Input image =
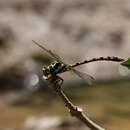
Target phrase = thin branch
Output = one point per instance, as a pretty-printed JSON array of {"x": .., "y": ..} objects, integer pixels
[{"x": 74, "y": 110}]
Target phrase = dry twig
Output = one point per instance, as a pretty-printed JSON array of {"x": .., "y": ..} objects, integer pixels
[{"x": 74, "y": 110}]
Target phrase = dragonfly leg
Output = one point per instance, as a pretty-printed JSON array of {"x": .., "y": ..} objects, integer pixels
[{"x": 58, "y": 81}]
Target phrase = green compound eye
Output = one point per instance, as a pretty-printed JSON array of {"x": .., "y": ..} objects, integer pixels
[{"x": 45, "y": 71}]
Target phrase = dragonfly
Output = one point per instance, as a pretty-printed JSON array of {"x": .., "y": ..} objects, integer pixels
[{"x": 58, "y": 66}]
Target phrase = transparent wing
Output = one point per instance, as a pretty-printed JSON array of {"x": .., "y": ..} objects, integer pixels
[
  {"x": 87, "y": 78},
  {"x": 49, "y": 51},
  {"x": 84, "y": 76}
]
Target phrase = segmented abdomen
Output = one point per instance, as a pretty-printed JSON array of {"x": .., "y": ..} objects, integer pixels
[{"x": 108, "y": 58}]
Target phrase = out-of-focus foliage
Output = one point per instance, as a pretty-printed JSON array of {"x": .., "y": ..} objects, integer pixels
[{"x": 126, "y": 63}]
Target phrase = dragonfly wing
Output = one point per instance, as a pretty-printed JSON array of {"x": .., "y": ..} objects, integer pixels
[
  {"x": 49, "y": 51},
  {"x": 87, "y": 78}
]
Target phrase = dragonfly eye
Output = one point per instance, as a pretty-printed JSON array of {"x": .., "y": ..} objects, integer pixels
[{"x": 45, "y": 71}]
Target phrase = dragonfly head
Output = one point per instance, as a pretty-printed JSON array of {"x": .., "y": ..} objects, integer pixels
[{"x": 46, "y": 72}]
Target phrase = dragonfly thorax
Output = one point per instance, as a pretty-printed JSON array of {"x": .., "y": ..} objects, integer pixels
[{"x": 53, "y": 69}]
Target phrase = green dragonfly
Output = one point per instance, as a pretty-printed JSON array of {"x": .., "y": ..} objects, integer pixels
[{"x": 58, "y": 66}]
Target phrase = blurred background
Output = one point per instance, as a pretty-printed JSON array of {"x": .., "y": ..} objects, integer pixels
[{"x": 75, "y": 30}]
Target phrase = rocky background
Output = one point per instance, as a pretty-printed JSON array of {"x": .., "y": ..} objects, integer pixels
[{"x": 74, "y": 29}]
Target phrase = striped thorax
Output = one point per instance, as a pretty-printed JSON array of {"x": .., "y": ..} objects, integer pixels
[{"x": 53, "y": 69}]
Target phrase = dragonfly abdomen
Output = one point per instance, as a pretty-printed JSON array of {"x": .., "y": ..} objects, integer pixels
[{"x": 108, "y": 58}]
